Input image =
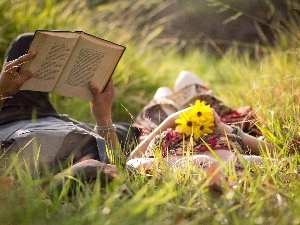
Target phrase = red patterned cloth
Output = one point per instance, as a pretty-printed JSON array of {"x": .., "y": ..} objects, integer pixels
[{"x": 172, "y": 143}]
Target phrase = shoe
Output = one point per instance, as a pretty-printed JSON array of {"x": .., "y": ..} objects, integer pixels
[
  {"x": 185, "y": 79},
  {"x": 141, "y": 164},
  {"x": 158, "y": 109},
  {"x": 162, "y": 92},
  {"x": 86, "y": 171}
]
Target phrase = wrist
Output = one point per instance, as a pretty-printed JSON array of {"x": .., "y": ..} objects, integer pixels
[
  {"x": 224, "y": 129},
  {"x": 237, "y": 131},
  {"x": 3, "y": 97},
  {"x": 107, "y": 128},
  {"x": 4, "y": 90},
  {"x": 104, "y": 121}
]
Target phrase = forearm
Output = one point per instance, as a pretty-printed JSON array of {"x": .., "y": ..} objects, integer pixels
[
  {"x": 112, "y": 139},
  {"x": 252, "y": 143},
  {"x": 2, "y": 99},
  {"x": 256, "y": 146},
  {"x": 140, "y": 150},
  {"x": 106, "y": 129},
  {"x": 101, "y": 110}
]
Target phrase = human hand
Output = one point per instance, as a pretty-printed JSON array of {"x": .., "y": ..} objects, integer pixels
[
  {"x": 217, "y": 119},
  {"x": 169, "y": 122},
  {"x": 10, "y": 79},
  {"x": 220, "y": 127},
  {"x": 101, "y": 104}
]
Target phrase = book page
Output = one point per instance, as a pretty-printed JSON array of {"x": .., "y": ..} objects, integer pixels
[
  {"x": 92, "y": 59},
  {"x": 53, "y": 53}
]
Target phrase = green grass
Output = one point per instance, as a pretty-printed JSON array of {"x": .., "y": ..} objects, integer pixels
[{"x": 270, "y": 83}]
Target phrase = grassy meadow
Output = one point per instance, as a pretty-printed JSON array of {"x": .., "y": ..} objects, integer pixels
[{"x": 264, "y": 76}]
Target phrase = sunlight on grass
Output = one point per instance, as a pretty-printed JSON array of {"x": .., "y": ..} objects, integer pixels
[{"x": 268, "y": 82}]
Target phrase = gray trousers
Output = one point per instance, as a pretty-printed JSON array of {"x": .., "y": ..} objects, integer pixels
[{"x": 49, "y": 141}]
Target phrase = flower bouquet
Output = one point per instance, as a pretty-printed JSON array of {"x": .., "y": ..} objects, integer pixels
[{"x": 197, "y": 121}]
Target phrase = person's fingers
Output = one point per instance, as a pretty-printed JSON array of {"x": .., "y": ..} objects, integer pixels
[
  {"x": 216, "y": 118},
  {"x": 6, "y": 64},
  {"x": 16, "y": 64},
  {"x": 93, "y": 89},
  {"x": 25, "y": 58},
  {"x": 110, "y": 85},
  {"x": 109, "y": 88},
  {"x": 27, "y": 75}
]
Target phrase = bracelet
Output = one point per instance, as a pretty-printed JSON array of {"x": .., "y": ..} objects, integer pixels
[
  {"x": 237, "y": 131},
  {"x": 105, "y": 128},
  {"x": 3, "y": 98}
]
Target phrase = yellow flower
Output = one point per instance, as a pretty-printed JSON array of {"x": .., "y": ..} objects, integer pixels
[
  {"x": 200, "y": 113},
  {"x": 185, "y": 125},
  {"x": 201, "y": 130},
  {"x": 196, "y": 121}
]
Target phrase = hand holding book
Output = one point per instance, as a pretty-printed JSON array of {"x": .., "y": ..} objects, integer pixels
[{"x": 67, "y": 61}]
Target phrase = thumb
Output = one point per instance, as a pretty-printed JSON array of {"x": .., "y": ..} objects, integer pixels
[
  {"x": 217, "y": 118},
  {"x": 93, "y": 88}
]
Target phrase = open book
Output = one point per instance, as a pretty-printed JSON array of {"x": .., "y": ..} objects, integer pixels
[{"x": 67, "y": 61}]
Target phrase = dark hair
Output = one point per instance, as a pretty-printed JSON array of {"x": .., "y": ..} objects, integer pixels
[{"x": 19, "y": 46}]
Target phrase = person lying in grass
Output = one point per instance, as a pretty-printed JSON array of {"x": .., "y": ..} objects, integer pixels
[
  {"x": 196, "y": 133},
  {"x": 33, "y": 129}
]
